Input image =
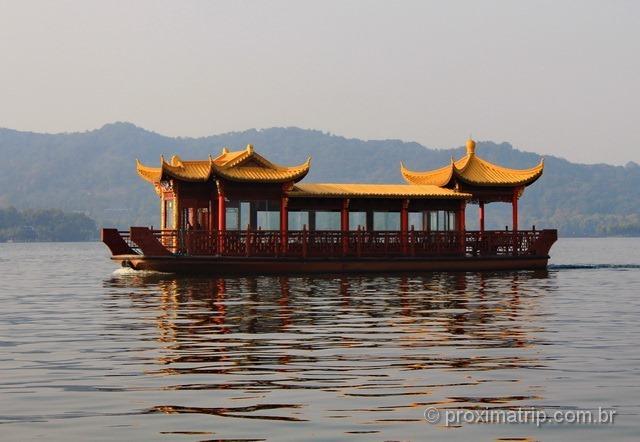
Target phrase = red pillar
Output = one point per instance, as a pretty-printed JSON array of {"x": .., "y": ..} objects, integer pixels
[
  {"x": 191, "y": 216},
  {"x": 163, "y": 213},
  {"x": 344, "y": 226},
  {"x": 212, "y": 207},
  {"x": 461, "y": 217},
  {"x": 514, "y": 206},
  {"x": 404, "y": 226},
  {"x": 222, "y": 219},
  {"x": 461, "y": 225},
  {"x": 284, "y": 222}
]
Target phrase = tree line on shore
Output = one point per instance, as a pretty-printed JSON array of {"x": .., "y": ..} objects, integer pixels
[
  {"x": 42, "y": 225},
  {"x": 45, "y": 225},
  {"x": 94, "y": 173}
]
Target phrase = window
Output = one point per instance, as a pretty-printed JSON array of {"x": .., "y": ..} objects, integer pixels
[
  {"x": 452, "y": 220},
  {"x": 327, "y": 220},
  {"x": 232, "y": 220},
  {"x": 169, "y": 217},
  {"x": 245, "y": 214},
  {"x": 415, "y": 220},
  {"x": 386, "y": 221},
  {"x": 297, "y": 220},
  {"x": 442, "y": 220},
  {"x": 268, "y": 215},
  {"x": 357, "y": 219}
]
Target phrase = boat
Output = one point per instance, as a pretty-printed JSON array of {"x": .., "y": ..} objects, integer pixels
[{"x": 240, "y": 214}]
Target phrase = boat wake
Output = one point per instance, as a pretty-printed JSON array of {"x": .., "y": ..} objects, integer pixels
[
  {"x": 593, "y": 266},
  {"x": 128, "y": 271}
]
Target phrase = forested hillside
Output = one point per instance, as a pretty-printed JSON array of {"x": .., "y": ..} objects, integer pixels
[
  {"x": 94, "y": 173},
  {"x": 45, "y": 225}
]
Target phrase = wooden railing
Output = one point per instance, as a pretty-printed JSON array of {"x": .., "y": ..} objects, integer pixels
[
  {"x": 124, "y": 234},
  {"x": 359, "y": 243}
]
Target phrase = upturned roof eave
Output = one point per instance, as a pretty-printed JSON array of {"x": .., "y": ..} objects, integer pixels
[
  {"x": 167, "y": 171},
  {"x": 425, "y": 178},
  {"x": 378, "y": 191}
]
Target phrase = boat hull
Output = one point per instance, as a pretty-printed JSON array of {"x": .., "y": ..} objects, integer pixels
[{"x": 223, "y": 266}]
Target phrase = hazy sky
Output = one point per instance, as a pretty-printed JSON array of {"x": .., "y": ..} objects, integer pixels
[{"x": 553, "y": 77}]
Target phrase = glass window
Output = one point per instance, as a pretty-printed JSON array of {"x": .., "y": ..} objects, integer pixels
[
  {"x": 452, "y": 220},
  {"x": 327, "y": 220},
  {"x": 415, "y": 220},
  {"x": 357, "y": 219},
  {"x": 267, "y": 214},
  {"x": 245, "y": 213},
  {"x": 297, "y": 220},
  {"x": 386, "y": 221},
  {"x": 433, "y": 220},
  {"x": 200, "y": 218},
  {"x": 442, "y": 220},
  {"x": 169, "y": 214},
  {"x": 268, "y": 220},
  {"x": 231, "y": 218}
]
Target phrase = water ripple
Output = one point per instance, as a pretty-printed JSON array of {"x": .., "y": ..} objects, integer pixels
[{"x": 95, "y": 354}]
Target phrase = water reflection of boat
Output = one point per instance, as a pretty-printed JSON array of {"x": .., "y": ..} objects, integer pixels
[
  {"x": 239, "y": 213},
  {"x": 193, "y": 316},
  {"x": 366, "y": 350}
]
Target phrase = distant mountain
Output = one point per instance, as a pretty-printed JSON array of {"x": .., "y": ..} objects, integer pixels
[
  {"x": 94, "y": 173},
  {"x": 45, "y": 225}
]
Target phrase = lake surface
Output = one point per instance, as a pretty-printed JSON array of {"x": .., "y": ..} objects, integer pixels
[{"x": 91, "y": 352}]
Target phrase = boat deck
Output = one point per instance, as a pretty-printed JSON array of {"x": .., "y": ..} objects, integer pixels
[{"x": 234, "y": 252}]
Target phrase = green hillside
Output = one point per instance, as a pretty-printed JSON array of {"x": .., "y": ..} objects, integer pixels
[
  {"x": 94, "y": 173},
  {"x": 45, "y": 225}
]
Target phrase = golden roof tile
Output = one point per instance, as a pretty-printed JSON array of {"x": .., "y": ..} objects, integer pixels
[
  {"x": 244, "y": 165},
  {"x": 264, "y": 174},
  {"x": 346, "y": 190},
  {"x": 151, "y": 174},
  {"x": 474, "y": 170}
]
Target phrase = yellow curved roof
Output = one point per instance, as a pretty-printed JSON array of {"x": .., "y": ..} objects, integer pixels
[
  {"x": 243, "y": 165},
  {"x": 346, "y": 190},
  {"x": 474, "y": 170},
  {"x": 151, "y": 174},
  {"x": 482, "y": 172},
  {"x": 187, "y": 170},
  {"x": 230, "y": 156},
  {"x": 263, "y": 174}
]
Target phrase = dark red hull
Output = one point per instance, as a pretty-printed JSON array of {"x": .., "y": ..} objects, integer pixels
[
  {"x": 264, "y": 252},
  {"x": 222, "y": 266}
]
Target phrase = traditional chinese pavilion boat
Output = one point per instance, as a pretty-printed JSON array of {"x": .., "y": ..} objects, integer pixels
[{"x": 239, "y": 213}]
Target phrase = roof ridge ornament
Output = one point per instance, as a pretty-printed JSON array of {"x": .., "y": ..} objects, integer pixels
[
  {"x": 224, "y": 167},
  {"x": 474, "y": 170},
  {"x": 471, "y": 146},
  {"x": 176, "y": 161},
  {"x": 250, "y": 148},
  {"x": 225, "y": 150}
]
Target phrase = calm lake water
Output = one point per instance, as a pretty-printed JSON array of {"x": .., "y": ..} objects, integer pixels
[{"x": 88, "y": 352}]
